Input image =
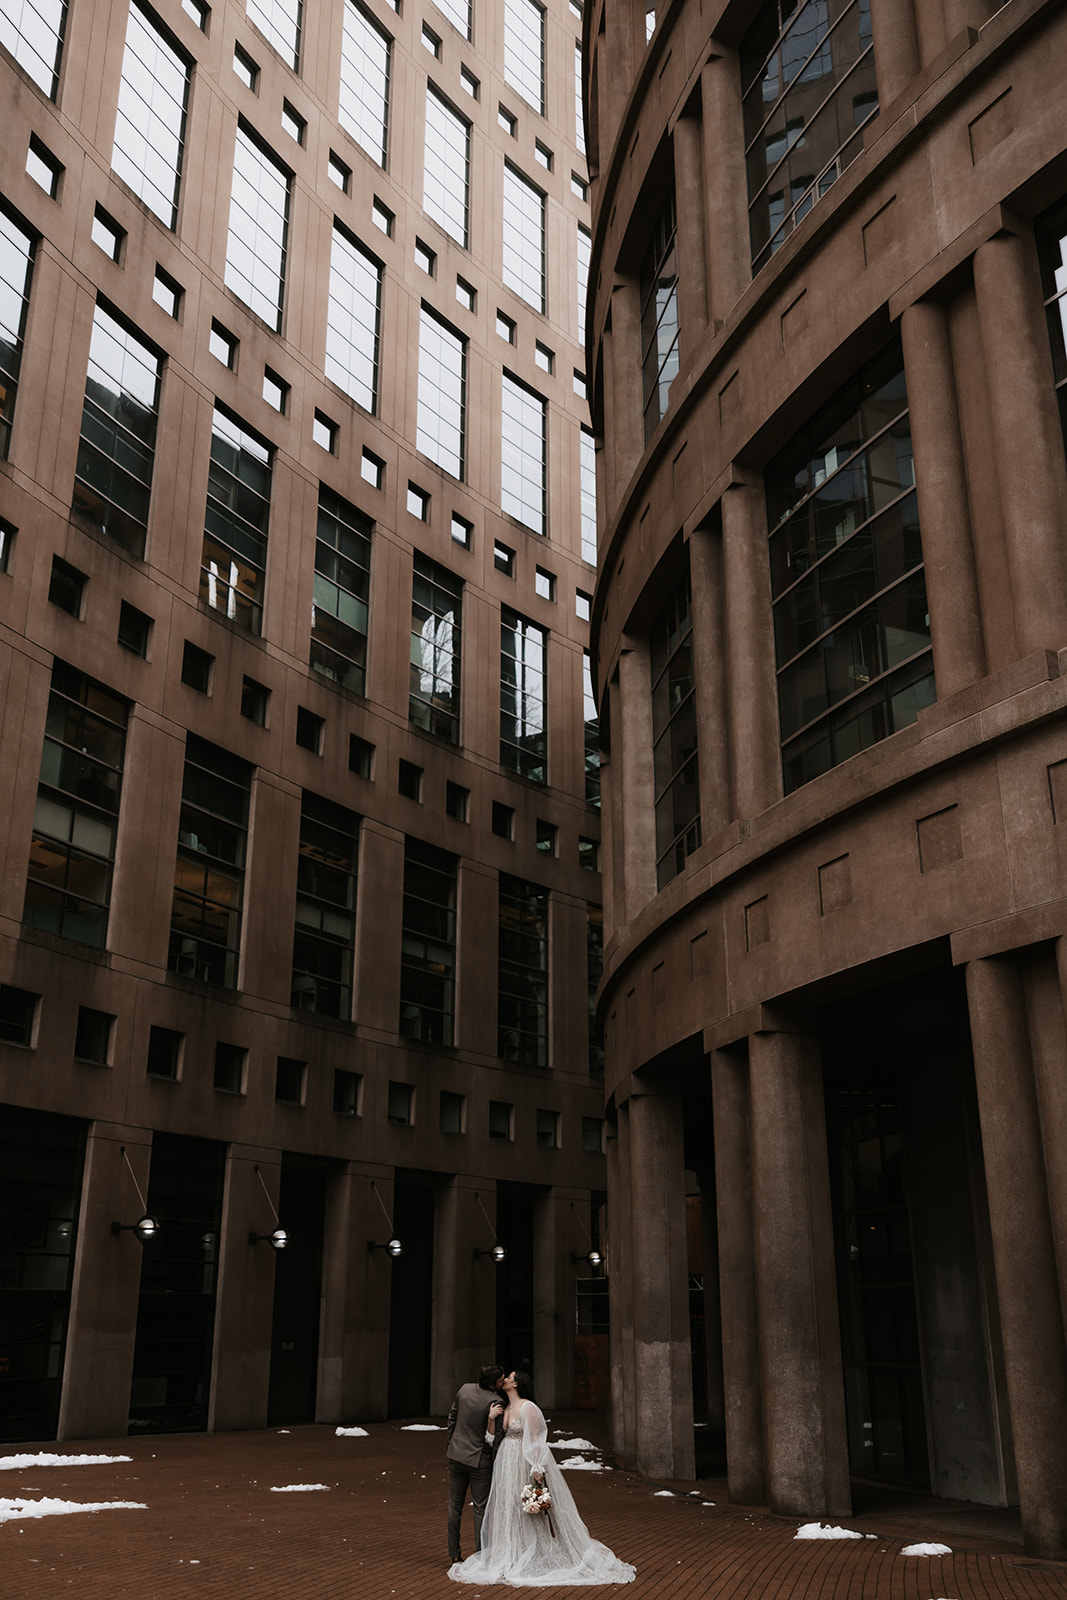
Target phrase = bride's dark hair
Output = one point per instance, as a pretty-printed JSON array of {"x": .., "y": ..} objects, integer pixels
[{"x": 523, "y": 1386}]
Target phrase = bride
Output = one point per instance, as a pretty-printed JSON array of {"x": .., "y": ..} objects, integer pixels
[{"x": 549, "y": 1547}]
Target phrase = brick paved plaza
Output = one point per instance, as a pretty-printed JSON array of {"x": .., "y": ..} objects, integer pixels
[{"x": 214, "y": 1528}]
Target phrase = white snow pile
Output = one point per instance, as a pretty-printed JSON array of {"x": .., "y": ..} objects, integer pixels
[
  {"x": 11, "y": 1509},
  {"x": 580, "y": 1464},
  {"x": 297, "y": 1488},
  {"x": 571, "y": 1444},
  {"x": 663, "y": 1493},
  {"x": 351, "y": 1433},
  {"x": 421, "y": 1427},
  {"x": 17, "y": 1463},
  {"x": 816, "y": 1530},
  {"x": 926, "y": 1550}
]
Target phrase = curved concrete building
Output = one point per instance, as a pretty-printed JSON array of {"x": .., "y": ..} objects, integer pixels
[{"x": 829, "y": 638}]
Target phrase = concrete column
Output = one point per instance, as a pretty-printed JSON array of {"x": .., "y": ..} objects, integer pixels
[
  {"x": 752, "y": 696},
  {"x": 1050, "y": 1051},
  {"x": 608, "y": 486},
  {"x": 244, "y": 1300},
  {"x": 713, "y": 749},
  {"x": 620, "y": 1288},
  {"x": 743, "y": 1419},
  {"x": 663, "y": 1371},
  {"x": 896, "y": 47},
  {"x": 627, "y": 411},
  {"x": 941, "y": 488},
  {"x": 615, "y": 71},
  {"x": 98, "y": 1365},
  {"x": 464, "y": 1329},
  {"x": 607, "y": 845},
  {"x": 354, "y": 1335},
  {"x": 799, "y": 1338},
  {"x": 556, "y": 1239},
  {"x": 689, "y": 242},
  {"x": 728, "y": 252},
  {"x": 1026, "y": 430},
  {"x": 1024, "y": 1253},
  {"x": 633, "y": 732}
]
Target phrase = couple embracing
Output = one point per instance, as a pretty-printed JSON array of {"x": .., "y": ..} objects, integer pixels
[{"x": 527, "y": 1530}]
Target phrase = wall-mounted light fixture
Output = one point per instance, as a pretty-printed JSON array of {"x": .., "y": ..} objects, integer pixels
[
  {"x": 498, "y": 1252},
  {"x": 279, "y": 1237},
  {"x": 394, "y": 1247},
  {"x": 592, "y": 1256},
  {"x": 147, "y": 1227}
]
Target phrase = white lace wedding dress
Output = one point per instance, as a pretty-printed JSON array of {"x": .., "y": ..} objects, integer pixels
[{"x": 520, "y": 1549}]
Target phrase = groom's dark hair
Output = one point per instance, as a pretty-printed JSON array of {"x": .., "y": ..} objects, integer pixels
[{"x": 489, "y": 1377}]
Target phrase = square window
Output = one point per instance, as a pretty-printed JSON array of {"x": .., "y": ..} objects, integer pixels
[
  {"x": 576, "y": 8},
  {"x": 588, "y": 854},
  {"x": 198, "y": 11},
  {"x": 418, "y": 502},
  {"x": 453, "y": 1113},
  {"x": 583, "y": 604},
  {"x": 66, "y": 587},
  {"x": 382, "y": 218},
  {"x": 134, "y": 629},
  {"x": 7, "y": 542},
  {"x": 92, "y": 1038},
  {"x": 544, "y": 357},
  {"x": 462, "y": 530},
  {"x": 254, "y": 698},
  {"x": 347, "y": 1093},
  {"x": 324, "y": 432},
  {"x": 245, "y": 68},
  {"x": 501, "y": 1120},
  {"x": 425, "y": 257},
  {"x": 545, "y": 583},
  {"x": 503, "y": 820},
  {"x": 196, "y": 667},
  {"x": 469, "y": 82},
  {"x": 546, "y": 837},
  {"x": 164, "y": 1053},
  {"x": 294, "y": 124},
  {"x": 43, "y": 167},
  {"x": 431, "y": 42},
  {"x": 309, "y": 730},
  {"x": 457, "y": 801},
  {"x": 505, "y": 326},
  {"x": 548, "y": 1129},
  {"x": 230, "y": 1067},
  {"x": 401, "y": 1104},
  {"x": 223, "y": 345},
  {"x": 465, "y": 293},
  {"x": 166, "y": 292},
  {"x": 543, "y": 155},
  {"x": 339, "y": 172},
  {"x": 372, "y": 469},
  {"x": 360, "y": 755},
  {"x": 409, "y": 780},
  {"x": 506, "y": 120},
  {"x": 593, "y": 1135},
  {"x": 275, "y": 391},
  {"x": 18, "y": 1015},
  {"x": 579, "y": 384},
  {"x": 289, "y": 1081},
  {"x": 107, "y": 234},
  {"x": 579, "y": 186},
  {"x": 504, "y": 559}
]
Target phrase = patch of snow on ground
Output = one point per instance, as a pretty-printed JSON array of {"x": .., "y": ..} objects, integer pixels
[
  {"x": 669, "y": 1493},
  {"x": 572, "y": 1444},
  {"x": 420, "y": 1427},
  {"x": 17, "y": 1463},
  {"x": 579, "y": 1464},
  {"x": 11, "y": 1509},
  {"x": 815, "y": 1530},
  {"x": 297, "y": 1488},
  {"x": 351, "y": 1433},
  {"x": 926, "y": 1550}
]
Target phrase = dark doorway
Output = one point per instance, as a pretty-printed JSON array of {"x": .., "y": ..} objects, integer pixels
[
  {"x": 411, "y": 1297},
  {"x": 514, "y": 1282},
  {"x": 294, "y": 1345}
]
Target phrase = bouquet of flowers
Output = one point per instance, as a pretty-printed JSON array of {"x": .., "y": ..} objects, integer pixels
[{"x": 535, "y": 1499}]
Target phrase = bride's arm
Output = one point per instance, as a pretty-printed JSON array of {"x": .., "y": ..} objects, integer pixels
[{"x": 534, "y": 1437}]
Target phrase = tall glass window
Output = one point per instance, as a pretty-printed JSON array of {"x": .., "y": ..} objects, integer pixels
[
  {"x": 436, "y": 641},
  {"x": 428, "y": 945},
  {"x": 591, "y": 723},
  {"x": 524, "y": 238},
  {"x": 279, "y": 23},
  {"x": 594, "y": 967},
  {"x": 259, "y": 226},
  {"x": 587, "y": 490},
  {"x": 233, "y": 565},
  {"x": 524, "y": 50},
  {"x": 446, "y": 172},
  {"x": 68, "y": 890},
  {"x": 522, "y": 972},
  {"x": 1052, "y": 240},
  {"x": 579, "y": 111},
  {"x": 807, "y": 77},
  {"x": 524, "y": 455},
  {"x": 205, "y": 919},
  {"x": 458, "y": 13},
  {"x": 585, "y": 247},
  {"x": 16, "y": 266},
  {"x": 674, "y": 735},
  {"x": 851, "y": 623},
  {"x": 363, "y": 108},
  {"x": 32, "y": 31},
  {"x": 150, "y": 125},
  {"x": 659, "y": 318},
  {"x": 116, "y": 452},
  {"x": 339, "y": 610},
  {"x": 442, "y": 405},
  {"x": 353, "y": 318},
  {"x": 523, "y": 648},
  {"x": 324, "y": 937}
]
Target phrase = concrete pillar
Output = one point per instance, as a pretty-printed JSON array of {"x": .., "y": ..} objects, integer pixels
[
  {"x": 1050, "y": 1051},
  {"x": 627, "y": 409},
  {"x": 799, "y": 1337},
  {"x": 752, "y": 694},
  {"x": 464, "y": 1328},
  {"x": 632, "y": 740},
  {"x": 244, "y": 1299},
  {"x": 663, "y": 1372},
  {"x": 556, "y": 1239},
  {"x": 689, "y": 242},
  {"x": 728, "y": 252},
  {"x": 1026, "y": 430},
  {"x": 98, "y": 1365},
  {"x": 354, "y": 1335},
  {"x": 713, "y": 748},
  {"x": 1024, "y": 1255},
  {"x": 941, "y": 488},
  {"x": 615, "y": 71},
  {"x": 620, "y": 1288},
  {"x": 896, "y": 47}
]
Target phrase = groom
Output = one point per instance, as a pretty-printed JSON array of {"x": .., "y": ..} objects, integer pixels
[{"x": 470, "y": 1460}]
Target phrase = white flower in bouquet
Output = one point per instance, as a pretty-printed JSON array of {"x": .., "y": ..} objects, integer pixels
[{"x": 535, "y": 1499}]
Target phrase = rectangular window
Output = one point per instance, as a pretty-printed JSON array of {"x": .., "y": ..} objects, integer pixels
[
  {"x": 234, "y": 560},
  {"x": 324, "y": 937},
  {"x": 16, "y": 267},
  {"x": 458, "y": 13},
  {"x": 150, "y": 125},
  {"x": 18, "y": 1015},
  {"x": 205, "y": 919},
  {"x": 592, "y": 735},
  {"x": 428, "y": 945},
  {"x": 674, "y": 735},
  {"x": 259, "y": 227},
  {"x": 579, "y": 112},
  {"x": 587, "y": 491},
  {"x": 347, "y": 1093},
  {"x": 851, "y": 623},
  {"x": 524, "y": 455},
  {"x": 72, "y": 853},
  {"x": 808, "y": 87},
  {"x": 442, "y": 403},
  {"x": 594, "y": 967},
  {"x": 401, "y": 1104},
  {"x": 453, "y": 1112},
  {"x": 522, "y": 972},
  {"x": 523, "y": 647},
  {"x": 66, "y": 587},
  {"x": 116, "y": 452},
  {"x": 279, "y": 23},
  {"x": 342, "y": 588},
  {"x": 32, "y": 30},
  {"x": 353, "y": 319},
  {"x": 659, "y": 317},
  {"x": 436, "y": 637},
  {"x": 524, "y": 50},
  {"x": 524, "y": 238},
  {"x": 290, "y": 1077},
  {"x": 363, "y": 108},
  {"x": 164, "y": 1053},
  {"x": 446, "y": 172},
  {"x": 1052, "y": 242},
  {"x": 585, "y": 248},
  {"x": 501, "y": 1119},
  {"x": 547, "y": 1128}
]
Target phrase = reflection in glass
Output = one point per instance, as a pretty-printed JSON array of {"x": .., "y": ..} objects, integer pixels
[
  {"x": 524, "y": 238},
  {"x": 235, "y": 528},
  {"x": 428, "y": 944},
  {"x": 150, "y": 124},
  {"x": 325, "y": 933},
  {"x": 436, "y": 647},
  {"x": 363, "y": 107},
  {"x": 446, "y": 171},
  {"x": 523, "y": 746},
  {"x": 32, "y": 31},
  {"x": 524, "y": 50},
  {"x": 442, "y": 400},
  {"x": 522, "y": 972},
  {"x": 259, "y": 224},
  {"x": 524, "y": 460},
  {"x": 116, "y": 451},
  {"x": 353, "y": 319},
  {"x": 339, "y": 612},
  {"x": 16, "y": 265}
]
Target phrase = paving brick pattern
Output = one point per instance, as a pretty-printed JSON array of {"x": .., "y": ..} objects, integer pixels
[{"x": 213, "y": 1530}]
